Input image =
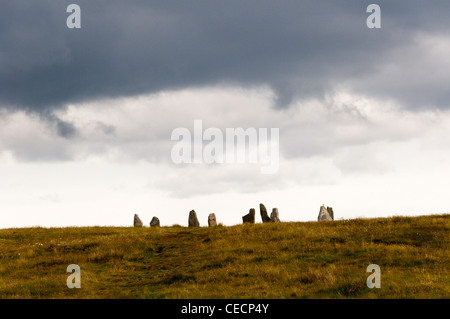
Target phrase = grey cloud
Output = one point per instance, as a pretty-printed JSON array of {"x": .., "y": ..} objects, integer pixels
[
  {"x": 65, "y": 129},
  {"x": 105, "y": 128},
  {"x": 298, "y": 48}
]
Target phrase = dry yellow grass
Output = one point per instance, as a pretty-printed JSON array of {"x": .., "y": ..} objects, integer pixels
[{"x": 276, "y": 260}]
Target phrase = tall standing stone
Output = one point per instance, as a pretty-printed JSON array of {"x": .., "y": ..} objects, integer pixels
[
  {"x": 212, "y": 220},
  {"x": 193, "y": 221},
  {"x": 265, "y": 218},
  {"x": 330, "y": 212},
  {"x": 154, "y": 222},
  {"x": 137, "y": 221},
  {"x": 274, "y": 215},
  {"x": 250, "y": 217},
  {"x": 324, "y": 215}
]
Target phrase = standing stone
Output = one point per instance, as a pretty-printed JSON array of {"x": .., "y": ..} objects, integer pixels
[
  {"x": 330, "y": 212},
  {"x": 324, "y": 215},
  {"x": 193, "y": 221},
  {"x": 212, "y": 220},
  {"x": 137, "y": 221},
  {"x": 250, "y": 217},
  {"x": 265, "y": 218},
  {"x": 154, "y": 222},
  {"x": 274, "y": 215}
]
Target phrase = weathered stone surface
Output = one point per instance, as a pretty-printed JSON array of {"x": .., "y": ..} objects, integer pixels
[
  {"x": 323, "y": 214},
  {"x": 265, "y": 218},
  {"x": 330, "y": 212},
  {"x": 274, "y": 215},
  {"x": 154, "y": 222},
  {"x": 193, "y": 220},
  {"x": 212, "y": 220},
  {"x": 137, "y": 221},
  {"x": 250, "y": 217}
]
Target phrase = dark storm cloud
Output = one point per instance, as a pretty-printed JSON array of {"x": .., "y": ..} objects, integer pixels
[{"x": 298, "y": 48}]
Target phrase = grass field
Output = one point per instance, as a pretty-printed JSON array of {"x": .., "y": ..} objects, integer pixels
[{"x": 275, "y": 260}]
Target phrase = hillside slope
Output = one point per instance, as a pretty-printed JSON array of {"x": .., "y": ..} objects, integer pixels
[{"x": 276, "y": 260}]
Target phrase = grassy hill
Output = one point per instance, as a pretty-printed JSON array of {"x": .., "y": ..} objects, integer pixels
[{"x": 276, "y": 260}]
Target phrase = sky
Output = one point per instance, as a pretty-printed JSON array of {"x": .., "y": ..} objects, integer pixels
[{"x": 87, "y": 114}]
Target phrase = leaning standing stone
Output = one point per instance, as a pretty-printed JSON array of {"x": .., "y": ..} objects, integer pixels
[
  {"x": 137, "y": 221},
  {"x": 250, "y": 217},
  {"x": 212, "y": 220},
  {"x": 324, "y": 215},
  {"x": 154, "y": 222},
  {"x": 193, "y": 221},
  {"x": 274, "y": 215},
  {"x": 330, "y": 212},
  {"x": 265, "y": 218}
]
